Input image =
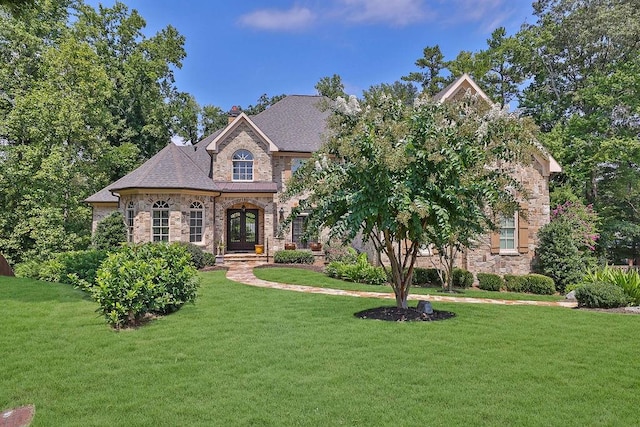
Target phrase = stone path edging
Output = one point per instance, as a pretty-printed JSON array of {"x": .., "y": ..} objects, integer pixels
[{"x": 243, "y": 273}]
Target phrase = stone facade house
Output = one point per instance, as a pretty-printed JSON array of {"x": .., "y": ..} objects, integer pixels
[{"x": 224, "y": 191}]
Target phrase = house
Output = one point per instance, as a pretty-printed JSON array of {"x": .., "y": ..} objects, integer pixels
[{"x": 225, "y": 189}]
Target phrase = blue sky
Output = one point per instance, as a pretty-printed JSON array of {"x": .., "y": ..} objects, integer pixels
[{"x": 239, "y": 50}]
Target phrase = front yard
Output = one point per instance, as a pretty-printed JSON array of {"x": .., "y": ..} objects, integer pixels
[{"x": 252, "y": 356}]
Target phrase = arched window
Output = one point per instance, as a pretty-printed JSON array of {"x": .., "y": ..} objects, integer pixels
[
  {"x": 160, "y": 221},
  {"x": 242, "y": 165},
  {"x": 130, "y": 215},
  {"x": 196, "y": 217}
]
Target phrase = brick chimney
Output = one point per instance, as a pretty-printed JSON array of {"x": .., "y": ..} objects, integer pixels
[{"x": 233, "y": 113}]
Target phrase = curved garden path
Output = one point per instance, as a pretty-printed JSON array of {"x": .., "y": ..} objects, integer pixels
[{"x": 242, "y": 272}]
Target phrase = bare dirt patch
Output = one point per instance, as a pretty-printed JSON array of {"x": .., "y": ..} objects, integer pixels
[{"x": 395, "y": 314}]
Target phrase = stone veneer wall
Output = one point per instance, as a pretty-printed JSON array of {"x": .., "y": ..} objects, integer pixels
[
  {"x": 179, "y": 208},
  {"x": 242, "y": 138}
]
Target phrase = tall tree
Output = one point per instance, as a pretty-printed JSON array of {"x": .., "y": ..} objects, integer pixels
[
  {"x": 431, "y": 79},
  {"x": 263, "y": 103},
  {"x": 212, "y": 119},
  {"x": 406, "y": 176},
  {"x": 331, "y": 87},
  {"x": 406, "y": 92}
]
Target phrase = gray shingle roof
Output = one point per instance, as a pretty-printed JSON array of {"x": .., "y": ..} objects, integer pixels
[{"x": 295, "y": 123}]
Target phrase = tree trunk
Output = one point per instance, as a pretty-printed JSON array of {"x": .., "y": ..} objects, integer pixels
[{"x": 401, "y": 300}]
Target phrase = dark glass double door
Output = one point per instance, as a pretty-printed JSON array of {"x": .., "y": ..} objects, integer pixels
[{"x": 242, "y": 229}]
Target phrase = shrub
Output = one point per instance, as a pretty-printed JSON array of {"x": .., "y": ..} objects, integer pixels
[
  {"x": 293, "y": 257},
  {"x": 209, "y": 258},
  {"x": 628, "y": 281},
  {"x": 30, "y": 269},
  {"x": 341, "y": 253},
  {"x": 600, "y": 295},
  {"x": 360, "y": 271},
  {"x": 489, "y": 281},
  {"x": 565, "y": 250},
  {"x": 427, "y": 277},
  {"x": 141, "y": 279},
  {"x": 111, "y": 232},
  {"x": 539, "y": 284},
  {"x": 462, "y": 278},
  {"x": 514, "y": 283},
  {"x": 196, "y": 254}
]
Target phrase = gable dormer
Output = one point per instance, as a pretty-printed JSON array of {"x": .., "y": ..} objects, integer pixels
[{"x": 242, "y": 152}]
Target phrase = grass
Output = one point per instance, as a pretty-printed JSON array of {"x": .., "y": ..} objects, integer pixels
[
  {"x": 250, "y": 356},
  {"x": 298, "y": 276}
]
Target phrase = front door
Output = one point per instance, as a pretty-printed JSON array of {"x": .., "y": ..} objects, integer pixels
[{"x": 242, "y": 229}]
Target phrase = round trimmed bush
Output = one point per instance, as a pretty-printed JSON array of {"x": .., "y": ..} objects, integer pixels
[
  {"x": 196, "y": 254},
  {"x": 462, "y": 278},
  {"x": 111, "y": 232},
  {"x": 427, "y": 277},
  {"x": 539, "y": 284},
  {"x": 514, "y": 283},
  {"x": 600, "y": 295},
  {"x": 489, "y": 281}
]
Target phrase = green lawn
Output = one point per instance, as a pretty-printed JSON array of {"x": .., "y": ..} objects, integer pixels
[
  {"x": 251, "y": 356},
  {"x": 299, "y": 276}
]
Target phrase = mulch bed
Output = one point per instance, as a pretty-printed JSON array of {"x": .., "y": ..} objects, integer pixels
[
  {"x": 17, "y": 417},
  {"x": 395, "y": 314}
]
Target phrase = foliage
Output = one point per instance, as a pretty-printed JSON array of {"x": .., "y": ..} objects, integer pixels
[
  {"x": 444, "y": 170},
  {"x": 66, "y": 267},
  {"x": 111, "y": 232},
  {"x": 331, "y": 87},
  {"x": 566, "y": 244},
  {"x": 339, "y": 252},
  {"x": 514, "y": 283},
  {"x": 140, "y": 279},
  {"x": 196, "y": 253},
  {"x": 360, "y": 271},
  {"x": 600, "y": 295},
  {"x": 209, "y": 259},
  {"x": 293, "y": 257},
  {"x": 462, "y": 278},
  {"x": 628, "y": 281},
  {"x": 427, "y": 277},
  {"x": 538, "y": 284},
  {"x": 489, "y": 281}
]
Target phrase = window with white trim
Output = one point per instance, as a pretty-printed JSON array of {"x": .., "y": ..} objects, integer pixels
[
  {"x": 196, "y": 217},
  {"x": 509, "y": 234},
  {"x": 296, "y": 163},
  {"x": 242, "y": 165},
  {"x": 130, "y": 215},
  {"x": 160, "y": 221}
]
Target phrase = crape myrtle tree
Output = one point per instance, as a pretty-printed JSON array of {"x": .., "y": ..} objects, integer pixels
[{"x": 407, "y": 176}]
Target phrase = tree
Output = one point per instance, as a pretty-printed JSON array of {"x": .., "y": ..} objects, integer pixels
[
  {"x": 110, "y": 233},
  {"x": 406, "y": 176},
  {"x": 263, "y": 103},
  {"x": 431, "y": 79},
  {"x": 331, "y": 87},
  {"x": 212, "y": 119},
  {"x": 406, "y": 92}
]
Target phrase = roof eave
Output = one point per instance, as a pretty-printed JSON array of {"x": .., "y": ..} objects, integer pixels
[{"x": 213, "y": 145}]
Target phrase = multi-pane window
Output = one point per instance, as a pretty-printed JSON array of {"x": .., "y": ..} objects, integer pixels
[
  {"x": 242, "y": 165},
  {"x": 196, "y": 215},
  {"x": 160, "y": 221},
  {"x": 508, "y": 234},
  {"x": 130, "y": 214}
]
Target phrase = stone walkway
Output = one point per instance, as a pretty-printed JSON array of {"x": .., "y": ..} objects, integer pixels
[{"x": 243, "y": 273}]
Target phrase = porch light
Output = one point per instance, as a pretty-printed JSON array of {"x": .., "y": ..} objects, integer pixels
[
  {"x": 243, "y": 208},
  {"x": 281, "y": 212}
]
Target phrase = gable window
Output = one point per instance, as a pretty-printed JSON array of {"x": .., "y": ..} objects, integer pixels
[
  {"x": 196, "y": 215},
  {"x": 242, "y": 165},
  {"x": 160, "y": 221},
  {"x": 508, "y": 234},
  {"x": 129, "y": 218}
]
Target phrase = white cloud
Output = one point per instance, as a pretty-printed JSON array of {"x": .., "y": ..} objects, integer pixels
[
  {"x": 279, "y": 20},
  {"x": 394, "y": 12},
  {"x": 489, "y": 14}
]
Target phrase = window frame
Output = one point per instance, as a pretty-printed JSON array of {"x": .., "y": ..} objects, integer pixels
[
  {"x": 130, "y": 215},
  {"x": 160, "y": 211},
  {"x": 195, "y": 230},
  {"x": 242, "y": 162},
  {"x": 505, "y": 239}
]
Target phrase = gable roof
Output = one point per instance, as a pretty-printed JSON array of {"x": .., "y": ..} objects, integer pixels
[
  {"x": 462, "y": 83},
  {"x": 242, "y": 118}
]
